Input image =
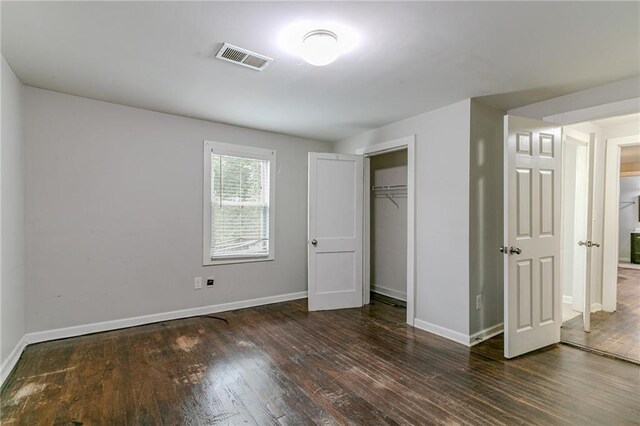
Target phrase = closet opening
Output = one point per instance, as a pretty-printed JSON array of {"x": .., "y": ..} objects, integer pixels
[{"x": 388, "y": 228}]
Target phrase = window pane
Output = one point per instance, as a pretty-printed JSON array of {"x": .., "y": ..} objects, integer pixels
[{"x": 239, "y": 206}]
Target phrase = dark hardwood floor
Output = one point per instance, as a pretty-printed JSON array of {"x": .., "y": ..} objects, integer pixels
[
  {"x": 615, "y": 333},
  {"x": 280, "y": 364}
]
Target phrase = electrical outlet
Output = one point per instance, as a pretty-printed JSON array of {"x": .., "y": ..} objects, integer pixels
[
  {"x": 478, "y": 302},
  {"x": 210, "y": 281},
  {"x": 197, "y": 283}
]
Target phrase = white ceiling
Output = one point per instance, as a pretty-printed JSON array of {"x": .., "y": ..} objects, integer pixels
[{"x": 412, "y": 57}]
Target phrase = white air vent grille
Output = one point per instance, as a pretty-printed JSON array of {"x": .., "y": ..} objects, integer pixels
[{"x": 243, "y": 57}]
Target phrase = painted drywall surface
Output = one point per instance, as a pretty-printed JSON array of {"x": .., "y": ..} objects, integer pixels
[
  {"x": 12, "y": 228},
  {"x": 608, "y": 93},
  {"x": 622, "y": 130},
  {"x": 389, "y": 226},
  {"x": 486, "y": 230},
  {"x": 442, "y": 209},
  {"x": 114, "y": 213},
  {"x": 629, "y": 192}
]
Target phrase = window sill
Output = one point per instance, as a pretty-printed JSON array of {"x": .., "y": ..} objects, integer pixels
[{"x": 233, "y": 260}]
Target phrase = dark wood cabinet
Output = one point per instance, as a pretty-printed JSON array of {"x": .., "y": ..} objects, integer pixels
[{"x": 635, "y": 247}]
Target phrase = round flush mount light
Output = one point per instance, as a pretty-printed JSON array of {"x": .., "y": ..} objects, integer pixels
[
  {"x": 318, "y": 43},
  {"x": 320, "y": 47}
]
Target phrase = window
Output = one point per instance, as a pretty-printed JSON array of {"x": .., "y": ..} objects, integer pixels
[{"x": 239, "y": 189}]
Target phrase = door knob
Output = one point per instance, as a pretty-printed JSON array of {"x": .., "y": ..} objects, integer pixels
[
  {"x": 515, "y": 250},
  {"x": 314, "y": 242},
  {"x": 595, "y": 244},
  {"x": 503, "y": 249}
]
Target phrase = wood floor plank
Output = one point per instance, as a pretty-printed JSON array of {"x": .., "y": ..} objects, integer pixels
[
  {"x": 280, "y": 364},
  {"x": 616, "y": 333}
]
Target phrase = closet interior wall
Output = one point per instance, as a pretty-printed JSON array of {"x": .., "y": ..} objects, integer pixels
[{"x": 389, "y": 224}]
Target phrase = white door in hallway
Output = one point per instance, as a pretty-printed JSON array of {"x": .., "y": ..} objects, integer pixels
[
  {"x": 532, "y": 179},
  {"x": 578, "y": 229},
  {"x": 335, "y": 231}
]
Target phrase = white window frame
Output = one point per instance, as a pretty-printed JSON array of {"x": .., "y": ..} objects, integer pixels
[{"x": 245, "y": 152}]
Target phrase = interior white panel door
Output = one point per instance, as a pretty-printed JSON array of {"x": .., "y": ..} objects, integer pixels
[
  {"x": 583, "y": 215},
  {"x": 335, "y": 231},
  {"x": 533, "y": 291}
]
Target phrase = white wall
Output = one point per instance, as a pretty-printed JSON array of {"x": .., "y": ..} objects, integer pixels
[
  {"x": 629, "y": 191},
  {"x": 114, "y": 213},
  {"x": 486, "y": 229},
  {"x": 442, "y": 209},
  {"x": 12, "y": 225},
  {"x": 389, "y": 226}
]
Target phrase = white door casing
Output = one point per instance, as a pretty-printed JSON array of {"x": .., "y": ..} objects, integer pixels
[
  {"x": 335, "y": 231},
  {"x": 533, "y": 292}
]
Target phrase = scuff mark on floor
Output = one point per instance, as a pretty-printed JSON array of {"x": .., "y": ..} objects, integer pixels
[
  {"x": 194, "y": 374},
  {"x": 187, "y": 343},
  {"x": 337, "y": 397},
  {"x": 28, "y": 390},
  {"x": 49, "y": 373}
]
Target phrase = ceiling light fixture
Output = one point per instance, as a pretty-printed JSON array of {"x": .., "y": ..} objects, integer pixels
[
  {"x": 318, "y": 43},
  {"x": 320, "y": 47}
]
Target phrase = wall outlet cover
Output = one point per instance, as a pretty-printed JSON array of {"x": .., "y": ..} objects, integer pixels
[
  {"x": 478, "y": 302},
  {"x": 197, "y": 283}
]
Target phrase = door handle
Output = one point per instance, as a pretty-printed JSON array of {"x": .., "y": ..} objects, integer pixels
[
  {"x": 503, "y": 249},
  {"x": 515, "y": 250},
  {"x": 588, "y": 244},
  {"x": 314, "y": 242}
]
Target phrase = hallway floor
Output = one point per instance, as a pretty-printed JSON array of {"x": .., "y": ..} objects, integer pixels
[{"x": 615, "y": 333}]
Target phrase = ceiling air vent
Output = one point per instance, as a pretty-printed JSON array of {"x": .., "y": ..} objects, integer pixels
[{"x": 243, "y": 57}]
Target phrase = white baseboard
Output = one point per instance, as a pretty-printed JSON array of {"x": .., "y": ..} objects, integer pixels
[
  {"x": 455, "y": 336},
  {"x": 400, "y": 295},
  {"x": 9, "y": 363},
  {"x": 79, "y": 330},
  {"x": 595, "y": 307},
  {"x": 485, "y": 334},
  {"x": 629, "y": 265}
]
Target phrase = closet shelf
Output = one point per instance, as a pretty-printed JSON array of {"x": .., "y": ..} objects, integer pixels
[{"x": 388, "y": 187}]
